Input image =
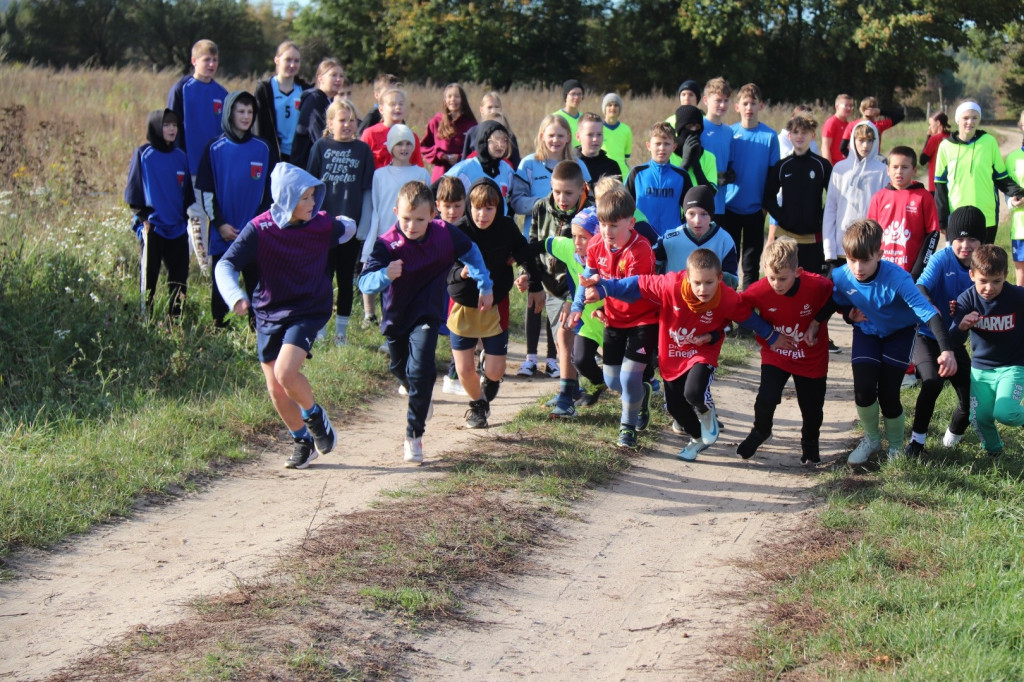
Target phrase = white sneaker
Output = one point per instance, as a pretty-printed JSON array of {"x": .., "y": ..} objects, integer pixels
[
  {"x": 865, "y": 449},
  {"x": 692, "y": 449},
  {"x": 678, "y": 428},
  {"x": 909, "y": 381},
  {"x": 452, "y": 386},
  {"x": 414, "y": 450},
  {"x": 402, "y": 390},
  {"x": 551, "y": 368},
  {"x": 708, "y": 427},
  {"x": 896, "y": 453},
  {"x": 950, "y": 439},
  {"x": 384, "y": 348},
  {"x": 527, "y": 369}
]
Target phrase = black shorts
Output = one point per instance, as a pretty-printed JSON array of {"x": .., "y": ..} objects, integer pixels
[{"x": 639, "y": 344}]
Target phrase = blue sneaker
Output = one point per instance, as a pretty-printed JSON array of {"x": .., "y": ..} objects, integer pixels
[
  {"x": 563, "y": 410},
  {"x": 644, "y": 419},
  {"x": 692, "y": 449},
  {"x": 324, "y": 436},
  {"x": 627, "y": 437},
  {"x": 709, "y": 427}
]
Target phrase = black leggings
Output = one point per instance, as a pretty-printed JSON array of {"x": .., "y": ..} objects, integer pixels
[
  {"x": 688, "y": 395},
  {"x": 810, "y": 396},
  {"x": 173, "y": 253},
  {"x": 583, "y": 351},
  {"x": 533, "y": 326},
  {"x": 926, "y": 354},
  {"x": 879, "y": 382},
  {"x": 343, "y": 260}
]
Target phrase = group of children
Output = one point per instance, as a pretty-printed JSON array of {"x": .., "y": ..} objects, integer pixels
[{"x": 635, "y": 268}]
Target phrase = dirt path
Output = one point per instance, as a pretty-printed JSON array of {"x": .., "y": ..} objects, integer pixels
[{"x": 654, "y": 548}]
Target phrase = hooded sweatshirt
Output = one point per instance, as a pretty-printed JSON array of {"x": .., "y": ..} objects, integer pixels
[
  {"x": 854, "y": 181},
  {"x": 501, "y": 240},
  {"x": 483, "y": 165},
  {"x": 159, "y": 187},
  {"x": 233, "y": 177},
  {"x": 968, "y": 173},
  {"x": 295, "y": 281}
]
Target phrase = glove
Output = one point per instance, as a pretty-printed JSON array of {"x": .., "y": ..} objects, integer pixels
[
  {"x": 829, "y": 266},
  {"x": 690, "y": 151}
]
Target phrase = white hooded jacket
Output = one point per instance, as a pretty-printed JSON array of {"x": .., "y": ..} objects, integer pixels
[{"x": 854, "y": 181}]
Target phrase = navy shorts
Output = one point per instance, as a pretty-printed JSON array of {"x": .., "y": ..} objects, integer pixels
[
  {"x": 493, "y": 345},
  {"x": 301, "y": 333},
  {"x": 896, "y": 349}
]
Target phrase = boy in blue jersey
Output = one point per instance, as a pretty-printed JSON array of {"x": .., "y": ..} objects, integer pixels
[
  {"x": 198, "y": 100},
  {"x": 289, "y": 246},
  {"x": 159, "y": 192},
  {"x": 658, "y": 187},
  {"x": 881, "y": 302},
  {"x": 698, "y": 232},
  {"x": 409, "y": 263},
  {"x": 755, "y": 149},
  {"x": 234, "y": 183},
  {"x": 717, "y": 137},
  {"x": 991, "y": 310},
  {"x": 946, "y": 276}
]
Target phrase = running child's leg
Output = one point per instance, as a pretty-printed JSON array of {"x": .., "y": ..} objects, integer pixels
[
  {"x": 420, "y": 373},
  {"x": 810, "y": 396},
  {"x": 866, "y": 359},
  {"x": 679, "y": 408},
  {"x": 769, "y": 395},
  {"x": 897, "y": 351},
  {"x": 961, "y": 382},
  {"x": 698, "y": 395},
  {"x": 983, "y": 401},
  {"x": 1009, "y": 392}
]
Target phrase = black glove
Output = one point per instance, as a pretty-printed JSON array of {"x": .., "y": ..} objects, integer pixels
[
  {"x": 730, "y": 177},
  {"x": 690, "y": 152},
  {"x": 829, "y": 266}
]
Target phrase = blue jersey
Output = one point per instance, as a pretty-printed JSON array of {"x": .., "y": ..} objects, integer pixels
[
  {"x": 890, "y": 299},
  {"x": 532, "y": 181},
  {"x": 286, "y": 110},
  {"x": 753, "y": 153},
  {"x": 471, "y": 170},
  {"x": 160, "y": 185},
  {"x": 944, "y": 278},
  {"x": 237, "y": 175},
  {"x": 717, "y": 139},
  {"x": 199, "y": 107},
  {"x": 677, "y": 245},
  {"x": 659, "y": 190}
]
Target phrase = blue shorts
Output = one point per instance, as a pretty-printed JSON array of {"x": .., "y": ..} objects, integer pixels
[
  {"x": 301, "y": 333},
  {"x": 1017, "y": 250},
  {"x": 896, "y": 349},
  {"x": 493, "y": 345}
]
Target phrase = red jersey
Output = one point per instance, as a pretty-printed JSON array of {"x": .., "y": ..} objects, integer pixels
[
  {"x": 833, "y": 130},
  {"x": 377, "y": 137},
  {"x": 635, "y": 258},
  {"x": 679, "y": 325},
  {"x": 931, "y": 150},
  {"x": 907, "y": 216},
  {"x": 791, "y": 313}
]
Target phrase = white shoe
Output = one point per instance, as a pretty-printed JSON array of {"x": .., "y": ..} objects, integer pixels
[
  {"x": 414, "y": 450},
  {"x": 402, "y": 390},
  {"x": 527, "y": 369},
  {"x": 950, "y": 439},
  {"x": 384, "y": 348},
  {"x": 896, "y": 453},
  {"x": 551, "y": 369},
  {"x": 678, "y": 428},
  {"x": 708, "y": 427},
  {"x": 909, "y": 381},
  {"x": 452, "y": 386},
  {"x": 865, "y": 449}
]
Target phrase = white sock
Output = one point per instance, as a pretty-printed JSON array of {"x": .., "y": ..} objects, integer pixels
[{"x": 917, "y": 437}]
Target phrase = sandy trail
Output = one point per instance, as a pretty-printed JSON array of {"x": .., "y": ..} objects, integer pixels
[{"x": 614, "y": 598}]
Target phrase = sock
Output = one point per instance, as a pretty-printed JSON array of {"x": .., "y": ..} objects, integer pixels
[
  {"x": 869, "y": 421},
  {"x": 917, "y": 437},
  {"x": 894, "y": 430},
  {"x": 301, "y": 434},
  {"x": 531, "y": 357},
  {"x": 306, "y": 414},
  {"x": 632, "y": 378},
  {"x": 341, "y": 326},
  {"x": 567, "y": 388},
  {"x": 491, "y": 389}
]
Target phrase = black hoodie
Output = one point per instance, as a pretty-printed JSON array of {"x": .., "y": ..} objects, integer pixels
[{"x": 501, "y": 241}]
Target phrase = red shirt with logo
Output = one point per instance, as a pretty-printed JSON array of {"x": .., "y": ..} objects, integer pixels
[
  {"x": 907, "y": 216},
  {"x": 791, "y": 313},
  {"x": 679, "y": 325},
  {"x": 635, "y": 258}
]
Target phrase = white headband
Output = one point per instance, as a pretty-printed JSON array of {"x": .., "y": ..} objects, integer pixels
[{"x": 965, "y": 107}]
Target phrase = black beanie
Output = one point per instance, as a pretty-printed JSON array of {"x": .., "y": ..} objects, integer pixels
[
  {"x": 569, "y": 85},
  {"x": 686, "y": 115},
  {"x": 701, "y": 196},
  {"x": 691, "y": 85},
  {"x": 966, "y": 222}
]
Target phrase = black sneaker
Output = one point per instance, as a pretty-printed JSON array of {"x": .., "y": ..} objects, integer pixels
[
  {"x": 833, "y": 348},
  {"x": 302, "y": 455},
  {"x": 627, "y": 437},
  {"x": 914, "y": 449},
  {"x": 319, "y": 425},
  {"x": 476, "y": 415},
  {"x": 644, "y": 419},
  {"x": 748, "y": 448},
  {"x": 588, "y": 399}
]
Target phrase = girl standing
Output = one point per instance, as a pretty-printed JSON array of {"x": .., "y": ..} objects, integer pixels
[
  {"x": 330, "y": 78},
  {"x": 443, "y": 142},
  {"x": 278, "y": 100}
]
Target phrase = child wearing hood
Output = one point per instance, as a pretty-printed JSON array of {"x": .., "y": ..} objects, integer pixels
[
  {"x": 499, "y": 240},
  {"x": 289, "y": 246},
  {"x": 159, "y": 192},
  {"x": 492, "y": 144},
  {"x": 690, "y": 155},
  {"x": 854, "y": 181},
  {"x": 969, "y": 169},
  {"x": 235, "y": 186}
]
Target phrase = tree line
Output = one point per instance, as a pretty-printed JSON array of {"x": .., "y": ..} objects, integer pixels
[{"x": 794, "y": 49}]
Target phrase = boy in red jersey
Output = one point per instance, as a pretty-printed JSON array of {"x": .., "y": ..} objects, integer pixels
[
  {"x": 694, "y": 310},
  {"x": 631, "y": 328},
  {"x": 798, "y": 303}
]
